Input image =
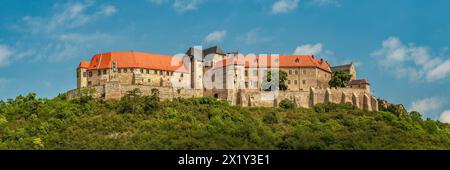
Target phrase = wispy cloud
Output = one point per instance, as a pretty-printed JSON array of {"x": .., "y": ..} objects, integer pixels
[
  {"x": 428, "y": 105},
  {"x": 284, "y": 6},
  {"x": 59, "y": 38},
  {"x": 216, "y": 36},
  {"x": 255, "y": 36},
  {"x": 186, "y": 5},
  {"x": 5, "y": 54},
  {"x": 414, "y": 62},
  {"x": 309, "y": 49},
  {"x": 313, "y": 49},
  {"x": 69, "y": 15},
  {"x": 445, "y": 117},
  {"x": 179, "y": 5}
]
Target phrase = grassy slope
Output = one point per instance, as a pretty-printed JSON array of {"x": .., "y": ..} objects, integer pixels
[{"x": 203, "y": 123}]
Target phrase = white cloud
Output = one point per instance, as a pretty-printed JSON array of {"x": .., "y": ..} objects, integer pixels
[
  {"x": 185, "y": 5},
  {"x": 427, "y": 105},
  {"x": 414, "y": 62},
  {"x": 326, "y": 2},
  {"x": 309, "y": 49},
  {"x": 284, "y": 6},
  {"x": 216, "y": 36},
  {"x": 255, "y": 36},
  {"x": 69, "y": 15},
  {"x": 179, "y": 5},
  {"x": 445, "y": 116},
  {"x": 441, "y": 71},
  {"x": 158, "y": 2},
  {"x": 71, "y": 45},
  {"x": 108, "y": 10},
  {"x": 5, "y": 55}
]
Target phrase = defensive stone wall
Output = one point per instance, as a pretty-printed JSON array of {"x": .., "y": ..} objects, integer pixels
[{"x": 360, "y": 98}]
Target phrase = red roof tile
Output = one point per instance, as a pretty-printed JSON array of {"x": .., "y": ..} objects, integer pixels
[
  {"x": 84, "y": 64},
  {"x": 135, "y": 60},
  {"x": 283, "y": 61}
]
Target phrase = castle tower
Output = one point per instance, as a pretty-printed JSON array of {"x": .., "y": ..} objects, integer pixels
[
  {"x": 196, "y": 66},
  {"x": 82, "y": 74}
]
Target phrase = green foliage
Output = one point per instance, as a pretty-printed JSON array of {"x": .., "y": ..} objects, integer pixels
[
  {"x": 145, "y": 122},
  {"x": 339, "y": 79},
  {"x": 276, "y": 79},
  {"x": 287, "y": 104}
]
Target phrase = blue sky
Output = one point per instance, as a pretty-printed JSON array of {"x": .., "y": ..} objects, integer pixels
[{"x": 402, "y": 47}]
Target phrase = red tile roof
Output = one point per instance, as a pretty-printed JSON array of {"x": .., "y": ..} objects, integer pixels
[
  {"x": 135, "y": 60},
  {"x": 84, "y": 64},
  {"x": 283, "y": 61}
]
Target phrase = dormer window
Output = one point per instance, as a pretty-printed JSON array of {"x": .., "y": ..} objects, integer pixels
[{"x": 297, "y": 60}]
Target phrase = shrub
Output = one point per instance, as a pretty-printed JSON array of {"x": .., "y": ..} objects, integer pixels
[{"x": 287, "y": 104}]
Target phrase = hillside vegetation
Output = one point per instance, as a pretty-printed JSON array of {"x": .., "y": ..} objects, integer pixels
[{"x": 136, "y": 122}]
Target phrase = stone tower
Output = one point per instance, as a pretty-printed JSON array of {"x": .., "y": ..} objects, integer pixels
[
  {"x": 82, "y": 74},
  {"x": 196, "y": 67}
]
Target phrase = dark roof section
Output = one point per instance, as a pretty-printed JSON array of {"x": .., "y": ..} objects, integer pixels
[
  {"x": 342, "y": 67},
  {"x": 359, "y": 82},
  {"x": 191, "y": 50},
  {"x": 213, "y": 50}
]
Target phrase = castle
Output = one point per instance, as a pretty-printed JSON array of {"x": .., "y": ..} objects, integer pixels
[{"x": 230, "y": 76}]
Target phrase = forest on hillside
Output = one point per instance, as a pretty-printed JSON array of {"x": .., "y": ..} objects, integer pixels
[{"x": 145, "y": 122}]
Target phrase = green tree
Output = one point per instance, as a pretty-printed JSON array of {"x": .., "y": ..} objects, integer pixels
[
  {"x": 287, "y": 104},
  {"x": 339, "y": 79},
  {"x": 277, "y": 79}
]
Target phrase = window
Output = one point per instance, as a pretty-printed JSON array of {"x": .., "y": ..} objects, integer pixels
[
  {"x": 99, "y": 72},
  {"x": 161, "y": 72},
  {"x": 182, "y": 75},
  {"x": 120, "y": 70},
  {"x": 142, "y": 70},
  {"x": 148, "y": 71},
  {"x": 125, "y": 70},
  {"x": 304, "y": 72},
  {"x": 304, "y": 81},
  {"x": 246, "y": 84},
  {"x": 90, "y": 73},
  {"x": 297, "y": 60},
  {"x": 132, "y": 70},
  {"x": 156, "y": 72},
  {"x": 213, "y": 77},
  {"x": 296, "y": 72},
  {"x": 104, "y": 71},
  {"x": 89, "y": 83},
  {"x": 289, "y": 81},
  {"x": 290, "y": 72},
  {"x": 167, "y": 73},
  {"x": 84, "y": 74},
  {"x": 295, "y": 82},
  {"x": 246, "y": 72},
  {"x": 149, "y": 80}
]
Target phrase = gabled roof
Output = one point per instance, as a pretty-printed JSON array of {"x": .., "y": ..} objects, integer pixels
[
  {"x": 282, "y": 61},
  {"x": 135, "y": 60}
]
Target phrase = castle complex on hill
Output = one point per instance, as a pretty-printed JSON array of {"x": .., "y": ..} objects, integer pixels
[{"x": 230, "y": 76}]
